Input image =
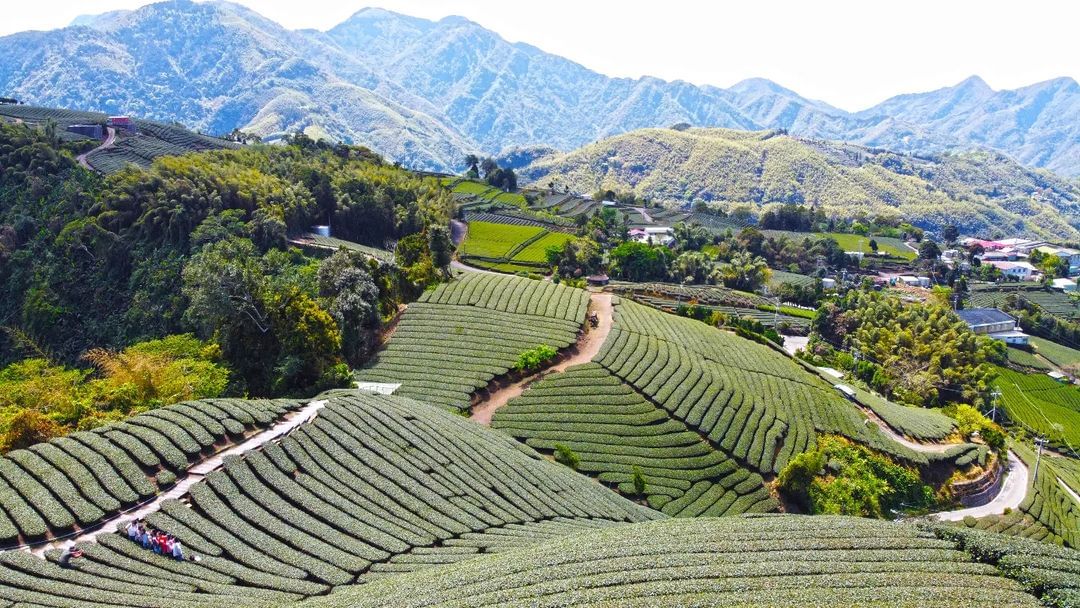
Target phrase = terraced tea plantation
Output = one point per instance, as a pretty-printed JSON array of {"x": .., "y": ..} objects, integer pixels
[
  {"x": 152, "y": 140},
  {"x": 1056, "y": 353},
  {"x": 1055, "y": 303},
  {"x": 460, "y": 336},
  {"x": 750, "y": 401},
  {"x": 1042, "y": 404},
  {"x": 917, "y": 423},
  {"x": 374, "y": 485},
  {"x": 711, "y": 295},
  {"x": 469, "y": 193},
  {"x": 1048, "y": 502},
  {"x": 509, "y": 247},
  {"x": 699, "y": 415},
  {"x": 761, "y": 561},
  {"x": 77, "y": 481},
  {"x": 331, "y": 243},
  {"x": 613, "y": 430},
  {"x": 1027, "y": 360},
  {"x": 795, "y": 325}
]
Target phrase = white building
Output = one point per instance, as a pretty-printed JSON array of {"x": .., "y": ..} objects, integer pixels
[
  {"x": 1071, "y": 256},
  {"x": 1066, "y": 285},
  {"x": 914, "y": 281},
  {"x": 1024, "y": 246},
  {"x": 994, "y": 323},
  {"x": 653, "y": 235},
  {"x": 1019, "y": 270}
]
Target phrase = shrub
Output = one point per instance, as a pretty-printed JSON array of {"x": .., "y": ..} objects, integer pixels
[
  {"x": 566, "y": 456},
  {"x": 165, "y": 479},
  {"x": 534, "y": 358},
  {"x": 639, "y": 481},
  {"x": 795, "y": 479}
]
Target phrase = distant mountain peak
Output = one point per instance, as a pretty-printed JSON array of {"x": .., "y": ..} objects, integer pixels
[
  {"x": 94, "y": 20},
  {"x": 373, "y": 78},
  {"x": 973, "y": 82}
]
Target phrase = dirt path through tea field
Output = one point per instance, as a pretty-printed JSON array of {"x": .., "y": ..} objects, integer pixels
[{"x": 587, "y": 346}]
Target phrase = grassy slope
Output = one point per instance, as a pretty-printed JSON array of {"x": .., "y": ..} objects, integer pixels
[
  {"x": 1057, "y": 354},
  {"x": 761, "y": 168},
  {"x": 489, "y": 240}
]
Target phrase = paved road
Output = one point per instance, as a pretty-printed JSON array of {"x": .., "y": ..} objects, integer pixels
[
  {"x": 794, "y": 343},
  {"x": 588, "y": 345},
  {"x": 458, "y": 231},
  {"x": 456, "y": 265},
  {"x": 1012, "y": 493},
  {"x": 1074, "y": 495},
  {"x": 194, "y": 475},
  {"x": 110, "y": 139}
]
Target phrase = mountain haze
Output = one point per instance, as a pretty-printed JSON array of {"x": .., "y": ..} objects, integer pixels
[{"x": 425, "y": 92}]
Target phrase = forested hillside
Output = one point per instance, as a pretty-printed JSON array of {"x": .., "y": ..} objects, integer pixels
[
  {"x": 198, "y": 244},
  {"x": 982, "y": 192}
]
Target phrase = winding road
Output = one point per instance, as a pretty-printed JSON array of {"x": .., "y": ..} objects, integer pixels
[
  {"x": 194, "y": 475},
  {"x": 587, "y": 346},
  {"x": 1012, "y": 493},
  {"x": 110, "y": 140}
]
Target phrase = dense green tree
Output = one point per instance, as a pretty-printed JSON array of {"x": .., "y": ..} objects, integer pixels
[
  {"x": 929, "y": 251},
  {"x": 690, "y": 237},
  {"x": 951, "y": 234},
  {"x": 636, "y": 261},
  {"x": 352, "y": 298},
  {"x": 690, "y": 267},
  {"x": 744, "y": 271},
  {"x": 924, "y": 353},
  {"x": 441, "y": 246}
]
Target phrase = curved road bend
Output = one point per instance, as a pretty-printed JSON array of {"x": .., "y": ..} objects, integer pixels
[
  {"x": 1012, "y": 493},
  {"x": 110, "y": 140}
]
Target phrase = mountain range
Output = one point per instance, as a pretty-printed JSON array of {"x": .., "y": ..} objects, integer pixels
[{"x": 426, "y": 92}]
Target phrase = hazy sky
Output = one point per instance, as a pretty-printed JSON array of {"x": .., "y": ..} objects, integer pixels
[{"x": 848, "y": 53}]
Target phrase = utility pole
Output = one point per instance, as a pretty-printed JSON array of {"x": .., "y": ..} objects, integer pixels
[
  {"x": 1039, "y": 443},
  {"x": 993, "y": 404}
]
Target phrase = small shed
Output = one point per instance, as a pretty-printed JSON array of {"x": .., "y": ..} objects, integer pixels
[
  {"x": 987, "y": 320},
  {"x": 121, "y": 122},
  {"x": 1056, "y": 375},
  {"x": 94, "y": 131},
  {"x": 1066, "y": 285},
  {"x": 597, "y": 280}
]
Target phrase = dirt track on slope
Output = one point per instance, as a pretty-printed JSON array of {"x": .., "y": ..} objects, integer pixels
[{"x": 588, "y": 345}]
